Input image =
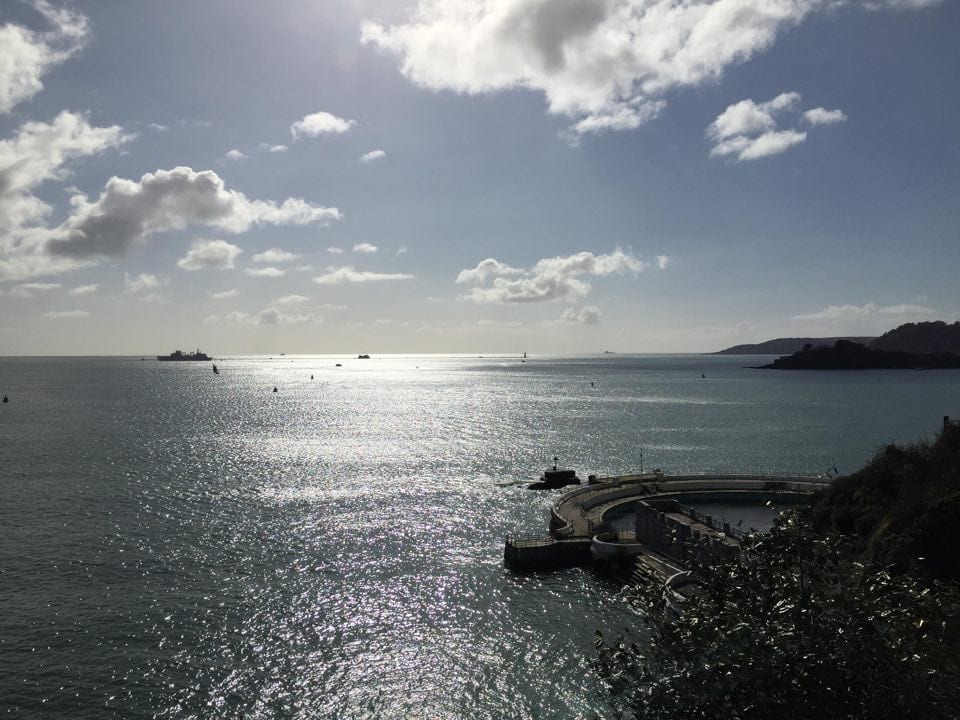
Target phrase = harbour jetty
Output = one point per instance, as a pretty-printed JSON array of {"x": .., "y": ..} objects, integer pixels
[{"x": 665, "y": 529}]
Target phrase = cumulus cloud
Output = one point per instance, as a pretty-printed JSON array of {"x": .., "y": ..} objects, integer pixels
[
  {"x": 364, "y": 248},
  {"x": 26, "y": 56},
  {"x": 288, "y": 300},
  {"x": 85, "y": 289},
  {"x": 225, "y": 294},
  {"x": 272, "y": 315},
  {"x": 402, "y": 250},
  {"x": 235, "y": 155},
  {"x": 346, "y": 274},
  {"x": 60, "y": 314},
  {"x": 130, "y": 211},
  {"x": 210, "y": 254},
  {"x": 273, "y": 148},
  {"x": 372, "y": 155},
  {"x": 266, "y": 272},
  {"x": 143, "y": 283},
  {"x": 605, "y": 64},
  {"x": 663, "y": 261},
  {"x": 822, "y": 116},
  {"x": 320, "y": 123},
  {"x": 335, "y": 250},
  {"x": 37, "y": 153},
  {"x": 748, "y": 129},
  {"x": 274, "y": 255},
  {"x": 588, "y": 315},
  {"x": 553, "y": 278}
]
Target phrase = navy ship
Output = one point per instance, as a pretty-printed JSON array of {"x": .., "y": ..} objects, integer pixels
[{"x": 181, "y": 355}]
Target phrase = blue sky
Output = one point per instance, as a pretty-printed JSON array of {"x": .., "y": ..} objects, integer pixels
[{"x": 470, "y": 176}]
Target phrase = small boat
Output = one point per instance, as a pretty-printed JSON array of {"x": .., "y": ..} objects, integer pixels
[
  {"x": 363, "y": 357},
  {"x": 6, "y": 399},
  {"x": 339, "y": 365},
  {"x": 215, "y": 371}
]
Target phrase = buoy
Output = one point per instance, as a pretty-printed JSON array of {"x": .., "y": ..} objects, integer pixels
[
  {"x": 311, "y": 377},
  {"x": 274, "y": 389},
  {"x": 5, "y": 399}
]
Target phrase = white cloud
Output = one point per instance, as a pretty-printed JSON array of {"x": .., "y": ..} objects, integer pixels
[
  {"x": 27, "y": 290},
  {"x": 274, "y": 255},
  {"x": 272, "y": 316},
  {"x": 38, "y": 153},
  {"x": 225, "y": 294},
  {"x": 748, "y": 130},
  {"x": 855, "y": 312},
  {"x": 273, "y": 148},
  {"x": 364, "y": 248},
  {"x": 549, "y": 279},
  {"x": 335, "y": 250},
  {"x": 288, "y": 300},
  {"x": 605, "y": 64},
  {"x": 320, "y": 123},
  {"x": 266, "y": 272},
  {"x": 129, "y": 211},
  {"x": 26, "y": 56},
  {"x": 346, "y": 274},
  {"x": 372, "y": 155},
  {"x": 143, "y": 283},
  {"x": 85, "y": 289},
  {"x": 215, "y": 254},
  {"x": 484, "y": 269},
  {"x": 158, "y": 127},
  {"x": 663, "y": 261},
  {"x": 235, "y": 155},
  {"x": 588, "y": 315},
  {"x": 822, "y": 116},
  {"x": 60, "y": 314},
  {"x": 402, "y": 250},
  {"x": 210, "y": 320}
]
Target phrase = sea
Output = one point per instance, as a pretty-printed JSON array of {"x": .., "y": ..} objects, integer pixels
[{"x": 291, "y": 538}]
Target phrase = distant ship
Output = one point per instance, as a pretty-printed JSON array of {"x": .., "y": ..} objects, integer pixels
[{"x": 181, "y": 355}]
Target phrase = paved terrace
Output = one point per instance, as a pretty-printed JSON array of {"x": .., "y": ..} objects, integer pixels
[{"x": 577, "y": 514}]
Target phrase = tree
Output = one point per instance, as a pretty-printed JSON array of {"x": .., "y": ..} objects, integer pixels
[{"x": 792, "y": 627}]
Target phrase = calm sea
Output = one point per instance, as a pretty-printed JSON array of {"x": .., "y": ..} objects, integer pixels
[{"x": 179, "y": 544}]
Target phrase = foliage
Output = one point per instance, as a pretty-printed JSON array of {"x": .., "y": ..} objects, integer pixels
[{"x": 793, "y": 627}]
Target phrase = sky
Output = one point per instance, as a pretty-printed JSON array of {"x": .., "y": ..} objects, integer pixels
[{"x": 461, "y": 176}]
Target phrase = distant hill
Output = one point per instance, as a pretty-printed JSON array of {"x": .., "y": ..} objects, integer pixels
[
  {"x": 787, "y": 346},
  {"x": 845, "y": 355},
  {"x": 931, "y": 338}
]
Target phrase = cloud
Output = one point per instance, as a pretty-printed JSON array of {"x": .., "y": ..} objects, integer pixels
[
  {"x": 210, "y": 254},
  {"x": 158, "y": 127},
  {"x": 402, "y": 250},
  {"x": 364, "y": 248},
  {"x": 588, "y": 315},
  {"x": 663, "y": 261},
  {"x": 288, "y": 300},
  {"x": 85, "y": 289},
  {"x": 748, "y": 130},
  {"x": 499, "y": 323},
  {"x": 26, "y": 56},
  {"x": 235, "y": 155},
  {"x": 210, "y": 320},
  {"x": 37, "y": 153},
  {"x": 869, "y": 310},
  {"x": 266, "y": 272},
  {"x": 346, "y": 274},
  {"x": 822, "y": 116},
  {"x": 549, "y": 279},
  {"x": 131, "y": 211},
  {"x": 372, "y": 155},
  {"x": 143, "y": 283},
  {"x": 27, "y": 290},
  {"x": 272, "y": 316},
  {"x": 225, "y": 294},
  {"x": 605, "y": 64},
  {"x": 273, "y": 148},
  {"x": 274, "y": 255},
  {"x": 484, "y": 269},
  {"x": 335, "y": 250},
  {"x": 320, "y": 123},
  {"x": 61, "y": 314}
]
